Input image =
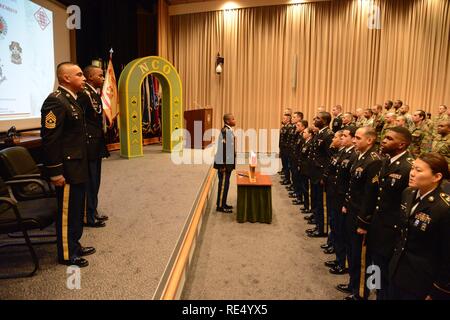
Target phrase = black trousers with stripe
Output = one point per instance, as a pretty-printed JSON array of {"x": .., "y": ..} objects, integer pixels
[
  {"x": 92, "y": 188},
  {"x": 69, "y": 220},
  {"x": 224, "y": 185},
  {"x": 359, "y": 261},
  {"x": 317, "y": 194}
]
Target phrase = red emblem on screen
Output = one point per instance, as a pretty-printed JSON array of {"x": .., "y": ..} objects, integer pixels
[{"x": 42, "y": 18}]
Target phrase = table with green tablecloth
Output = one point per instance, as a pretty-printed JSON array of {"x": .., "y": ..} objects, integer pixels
[{"x": 254, "y": 198}]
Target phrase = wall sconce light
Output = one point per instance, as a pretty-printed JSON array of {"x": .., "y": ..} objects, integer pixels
[{"x": 219, "y": 64}]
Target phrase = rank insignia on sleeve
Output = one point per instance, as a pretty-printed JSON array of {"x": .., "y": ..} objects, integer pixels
[{"x": 50, "y": 120}]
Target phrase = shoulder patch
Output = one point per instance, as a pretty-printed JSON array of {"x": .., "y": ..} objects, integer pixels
[
  {"x": 50, "y": 120},
  {"x": 446, "y": 198}
]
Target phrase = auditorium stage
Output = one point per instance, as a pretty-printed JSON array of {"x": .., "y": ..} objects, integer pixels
[{"x": 148, "y": 201}]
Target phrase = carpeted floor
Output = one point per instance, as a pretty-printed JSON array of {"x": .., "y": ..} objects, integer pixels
[
  {"x": 148, "y": 200},
  {"x": 148, "y": 203},
  {"x": 260, "y": 261}
]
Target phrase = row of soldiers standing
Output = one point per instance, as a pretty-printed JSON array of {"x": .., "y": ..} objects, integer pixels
[{"x": 379, "y": 214}]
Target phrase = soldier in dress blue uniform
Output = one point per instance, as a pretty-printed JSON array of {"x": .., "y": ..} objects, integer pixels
[
  {"x": 298, "y": 179},
  {"x": 320, "y": 157},
  {"x": 65, "y": 159},
  {"x": 341, "y": 239},
  {"x": 330, "y": 182},
  {"x": 336, "y": 111},
  {"x": 290, "y": 141},
  {"x": 294, "y": 137},
  {"x": 420, "y": 266},
  {"x": 360, "y": 205},
  {"x": 91, "y": 102},
  {"x": 305, "y": 170},
  {"x": 225, "y": 162},
  {"x": 393, "y": 179},
  {"x": 284, "y": 150}
]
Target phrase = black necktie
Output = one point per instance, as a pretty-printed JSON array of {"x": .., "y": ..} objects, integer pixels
[{"x": 415, "y": 202}]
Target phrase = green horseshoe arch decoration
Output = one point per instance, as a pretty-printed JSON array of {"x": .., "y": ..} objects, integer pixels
[{"x": 130, "y": 83}]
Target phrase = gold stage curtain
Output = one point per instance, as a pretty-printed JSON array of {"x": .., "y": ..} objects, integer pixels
[{"x": 354, "y": 53}]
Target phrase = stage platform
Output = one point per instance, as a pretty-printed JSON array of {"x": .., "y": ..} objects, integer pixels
[{"x": 148, "y": 201}]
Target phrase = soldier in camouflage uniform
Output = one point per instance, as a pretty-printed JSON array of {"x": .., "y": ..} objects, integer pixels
[
  {"x": 347, "y": 119},
  {"x": 400, "y": 121},
  {"x": 397, "y": 105},
  {"x": 360, "y": 118},
  {"x": 441, "y": 143},
  {"x": 390, "y": 122},
  {"x": 421, "y": 136},
  {"x": 378, "y": 121},
  {"x": 388, "y": 105},
  {"x": 441, "y": 116}
]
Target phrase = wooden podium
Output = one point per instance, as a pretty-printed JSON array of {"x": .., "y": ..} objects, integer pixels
[{"x": 197, "y": 123}]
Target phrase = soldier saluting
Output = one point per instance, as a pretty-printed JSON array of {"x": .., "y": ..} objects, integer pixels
[{"x": 65, "y": 158}]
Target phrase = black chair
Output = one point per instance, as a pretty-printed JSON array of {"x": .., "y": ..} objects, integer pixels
[
  {"x": 22, "y": 217},
  {"x": 23, "y": 175},
  {"x": 26, "y": 180}
]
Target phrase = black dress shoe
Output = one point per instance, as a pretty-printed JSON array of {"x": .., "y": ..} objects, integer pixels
[
  {"x": 77, "y": 261},
  {"x": 285, "y": 183},
  {"x": 296, "y": 202},
  {"x": 312, "y": 222},
  {"x": 338, "y": 270},
  {"x": 224, "y": 210},
  {"x": 311, "y": 230},
  {"x": 329, "y": 251},
  {"x": 317, "y": 234},
  {"x": 228, "y": 207},
  {"x": 331, "y": 264},
  {"x": 308, "y": 218},
  {"x": 101, "y": 218},
  {"x": 325, "y": 246},
  {"x": 96, "y": 224},
  {"x": 292, "y": 193},
  {"x": 291, "y": 188},
  {"x": 352, "y": 297},
  {"x": 306, "y": 211},
  {"x": 294, "y": 196},
  {"x": 344, "y": 288},
  {"x": 87, "y": 251}
]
